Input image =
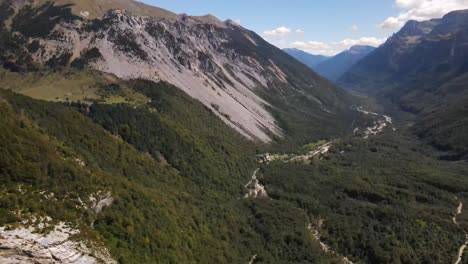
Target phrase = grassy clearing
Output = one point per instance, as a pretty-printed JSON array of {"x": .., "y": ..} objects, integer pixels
[
  {"x": 83, "y": 86},
  {"x": 315, "y": 145}
]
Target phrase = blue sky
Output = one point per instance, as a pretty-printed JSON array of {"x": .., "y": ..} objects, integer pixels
[{"x": 325, "y": 27}]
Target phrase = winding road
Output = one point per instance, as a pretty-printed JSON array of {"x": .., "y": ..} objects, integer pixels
[
  {"x": 462, "y": 248},
  {"x": 252, "y": 260},
  {"x": 325, "y": 248}
]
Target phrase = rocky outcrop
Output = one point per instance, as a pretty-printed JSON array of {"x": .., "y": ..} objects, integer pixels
[
  {"x": 26, "y": 245},
  {"x": 100, "y": 201},
  {"x": 254, "y": 188},
  {"x": 40, "y": 240}
]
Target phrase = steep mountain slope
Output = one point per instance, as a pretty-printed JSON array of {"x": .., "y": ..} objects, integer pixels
[
  {"x": 55, "y": 159},
  {"x": 444, "y": 118},
  {"x": 231, "y": 70},
  {"x": 306, "y": 58},
  {"x": 422, "y": 69},
  {"x": 428, "y": 52},
  {"x": 334, "y": 67},
  {"x": 392, "y": 62}
]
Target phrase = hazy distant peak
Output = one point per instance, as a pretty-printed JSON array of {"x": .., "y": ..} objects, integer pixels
[
  {"x": 293, "y": 49},
  {"x": 361, "y": 48}
]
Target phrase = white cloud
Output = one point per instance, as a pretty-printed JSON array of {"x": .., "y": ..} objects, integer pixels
[
  {"x": 278, "y": 32},
  {"x": 354, "y": 28},
  {"x": 370, "y": 41},
  {"x": 333, "y": 48},
  {"x": 314, "y": 47},
  {"x": 392, "y": 23},
  {"x": 407, "y": 4},
  {"x": 237, "y": 21},
  {"x": 421, "y": 10},
  {"x": 299, "y": 32}
]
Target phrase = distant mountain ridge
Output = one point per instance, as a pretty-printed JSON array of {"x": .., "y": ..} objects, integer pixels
[
  {"x": 332, "y": 67},
  {"x": 336, "y": 66},
  {"x": 423, "y": 69},
  {"x": 306, "y": 58},
  {"x": 417, "y": 51}
]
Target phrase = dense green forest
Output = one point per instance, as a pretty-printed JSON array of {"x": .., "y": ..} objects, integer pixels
[
  {"x": 190, "y": 189},
  {"x": 145, "y": 186},
  {"x": 383, "y": 200}
]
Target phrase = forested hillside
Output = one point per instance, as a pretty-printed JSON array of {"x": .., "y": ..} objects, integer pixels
[
  {"x": 381, "y": 200},
  {"x": 144, "y": 186}
]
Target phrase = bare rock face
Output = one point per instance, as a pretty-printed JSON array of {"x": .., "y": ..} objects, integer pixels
[
  {"x": 24, "y": 245},
  {"x": 190, "y": 53},
  {"x": 192, "y": 56},
  {"x": 43, "y": 240},
  {"x": 100, "y": 201}
]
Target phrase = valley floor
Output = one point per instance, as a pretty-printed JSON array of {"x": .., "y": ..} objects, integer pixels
[{"x": 285, "y": 178}]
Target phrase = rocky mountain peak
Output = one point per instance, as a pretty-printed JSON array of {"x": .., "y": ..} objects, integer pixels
[
  {"x": 91, "y": 9},
  {"x": 413, "y": 28},
  {"x": 209, "y": 19},
  {"x": 361, "y": 48},
  {"x": 461, "y": 14},
  {"x": 203, "y": 20},
  {"x": 452, "y": 22}
]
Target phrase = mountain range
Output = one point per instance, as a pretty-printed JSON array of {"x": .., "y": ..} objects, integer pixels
[
  {"x": 306, "y": 58},
  {"x": 131, "y": 134},
  {"x": 332, "y": 67},
  {"x": 422, "y": 69}
]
